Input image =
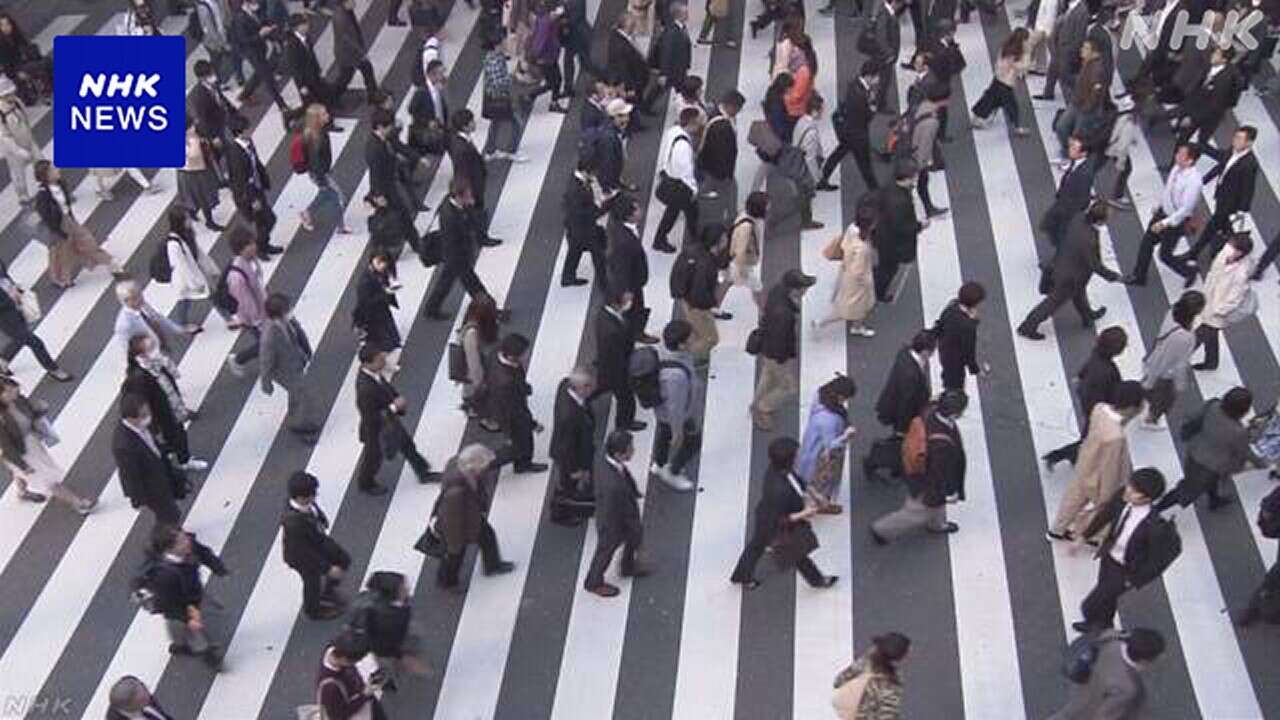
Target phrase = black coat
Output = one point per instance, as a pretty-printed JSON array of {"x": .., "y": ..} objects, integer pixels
[
  {"x": 1139, "y": 565},
  {"x": 373, "y": 401},
  {"x": 145, "y": 477},
  {"x": 857, "y": 113},
  {"x": 1079, "y": 257},
  {"x": 178, "y": 586},
  {"x": 307, "y": 546},
  {"x": 887, "y": 33},
  {"x": 573, "y": 433},
  {"x": 614, "y": 344},
  {"x": 1208, "y": 103},
  {"x": 957, "y": 335},
  {"x": 611, "y": 156},
  {"x": 703, "y": 274},
  {"x": 349, "y": 46},
  {"x": 617, "y": 510},
  {"x": 373, "y": 311},
  {"x": 580, "y": 212},
  {"x": 383, "y": 181},
  {"x": 508, "y": 396},
  {"x": 457, "y": 236},
  {"x": 906, "y": 393},
  {"x": 1072, "y": 196},
  {"x": 164, "y": 422},
  {"x": 718, "y": 156},
  {"x": 12, "y": 322},
  {"x": 627, "y": 62},
  {"x": 780, "y": 341},
  {"x": 675, "y": 54},
  {"x": 423, "y": 109},
  {"x": 896, "y": 236},
  {"x": 628, "y": 264},
  {"x": 387, "y": 627},
  {"x": 240, "y": 165},
  {"x": 468, "y": 164},
  {"x": 1235, "y": 186},
  {"x": 245, "y": 27},
  {"x": 777, "y": 501},
  {"x": 302, "y": 63},
  {"x": 210, "y": 108},
  {"x": 1097, "y": 380}
]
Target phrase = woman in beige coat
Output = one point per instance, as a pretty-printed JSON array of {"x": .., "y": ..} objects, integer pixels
[
  {"x": 1229, "y": 298},
  {"x": 16, "y": 142},
  {"x": 854, "y": 295},
  {"x": 744, "y": 249}
]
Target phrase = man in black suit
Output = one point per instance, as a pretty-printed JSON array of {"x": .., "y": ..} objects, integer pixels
[
  {"x": 429, "y": 111},
  {"x": 610, "y": 148},
  {"x": 628, "y": 66},
  {"x": 675, "y": 50},
  {"x": 628, "y": 263},
  {"x": 249, "y": 184},
  {"x": 896, "y": 234},
  {"x": 853, "y": 132},
  {"x": 468, "y": 165},
  {"x": 146, "y": 475},
  {"x": 718, "y": 151},
  {"x": 509, "y": 393},
  {"x": 350, "y": 51},
  {"x": 886, "y": 37},
  {"x": 1206, "y": 105},
  {"x": 615, "y": 341},
  {"x": 309, "y": 549},
  {"x": 250, "y": 35},
  {"x": 1129, "y": 558},
  {"x": 1236, "y": 175},
  {"x": 1096, "y": 381},
  {"x": 303, "y": 65},
  {"x": 618, "y": 522},
  {"x": 582, "y": 229},
  {"x": 130, "y": 699},
  {"x": 209, "y": 108},
  {"x": 576, "y": 41},
  {"x": 573, "y": 432},
  {"x": 1074, "y": 189},
  {"x": 381, "y": 432},
  {"x": 1077, "y": 260},
  {"x": 458, "y": 250},
  {"x": 909, "y": 388}
]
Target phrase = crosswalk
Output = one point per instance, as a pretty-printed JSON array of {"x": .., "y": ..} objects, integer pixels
[{"x": 988, "y": 608}]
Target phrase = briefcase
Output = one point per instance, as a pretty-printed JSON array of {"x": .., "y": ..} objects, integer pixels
[
  {"x": 885, "y": 455},
  {"x": 458, "y": 364},
  {"x": 794, "y": 543},
  {"x": 671, "y": 191},
  {"x": 762, "y": 137}
]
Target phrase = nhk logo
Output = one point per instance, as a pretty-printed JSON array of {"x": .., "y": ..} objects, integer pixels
[{"x": 119, "y": 101}]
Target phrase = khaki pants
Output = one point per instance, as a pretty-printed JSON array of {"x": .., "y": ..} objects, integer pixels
[
  {"x": 913, "y": 515},
  {"x": 705, "y": 336},
  {"x": 1071, "y": 509},
  {"x": 777, "y": 382}
]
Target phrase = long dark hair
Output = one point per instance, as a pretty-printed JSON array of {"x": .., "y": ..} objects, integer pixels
[
  {"x": 836, "y": 392},
  {"x": 1014, "y": 44},
  {"x": 483, "y": 313},
  {"x": 886, "y": 652}
]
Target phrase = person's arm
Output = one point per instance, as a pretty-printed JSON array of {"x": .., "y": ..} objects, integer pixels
[
  {"x": 682, "y": 162},
  {"x": 1185, "y": 200},
  {"x": 268, "y": 358}
]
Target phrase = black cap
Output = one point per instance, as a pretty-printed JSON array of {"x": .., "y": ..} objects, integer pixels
[{"x": 795, "y": 279}]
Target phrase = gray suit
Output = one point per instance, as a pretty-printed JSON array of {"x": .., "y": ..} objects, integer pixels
[
  {"x": 1068, "y": 35},
  {"x": 888, "y": 37},
  {"x": 283, "y": 356},
  {"x": 1114, "y": 691}
]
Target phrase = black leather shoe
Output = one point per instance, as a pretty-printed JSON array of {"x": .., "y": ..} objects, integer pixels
[
  {"x": 525, "y": 468},
  {"x": 634, "y": 426},
  {"x": 502, "y": 568},
  {"x": 572, "y": 282},
  {"x": 663, "y": 246},
  {"x": 375, "y": 489},
  {"x": 490, "y": 242},
  {"x": 1031, "y": 334}
]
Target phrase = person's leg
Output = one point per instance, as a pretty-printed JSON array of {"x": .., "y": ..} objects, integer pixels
[
  {"x": 605, "y": 548},
  {"x": 745, "y": 569},
  {"x": 882, "y": 275},
  {"x": 690, "y": 209},
  {"x": 1168, "y": 253},
  {"x": 669, "y": 215},
  {"x": 986, "y": 103},
  {"x": 447, "y": 573},
  {"x": 862, "y": 155},
  {"x": 572, "y": 258},
  {"x": 662, "y": 444},
  {"x": 490, "y": 556},
  {"x": 1009, "y": 102},
  {"x": 689, "y": 445},
  {"x": 1080, "y": 299},
  {"x": 447, "y": 276},
  {"x": 1208, "y": 337},
  {"x": 1099, "y": 606},
  {"x": 310, "y": 593},
  {"x": 1121, "y": 186},
  {"x": 1142, "y": 266},
  {"x": 625, "y": 409},
  {"x": 368, "y": 465},
  {"x": 1043, "y": 311},
  {"x": 370, "y": 78},
  {"x": 1073, "y": 501},
  {"x": 38, "y": 349},
  {"x": 250, "y": 353},
  {"x": 810, "y": 572},
  {"x": 833, "y": 162}
]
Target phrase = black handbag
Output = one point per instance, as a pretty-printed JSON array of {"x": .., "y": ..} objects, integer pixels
[
  {"x": 494, "y": 107},
  {"x": 430, "y": 544},
  {"x": 458, "y": 364},
  {"x": 794, "y": 543},
  {"x": 755, "y": 341},
  {"x": 671, "y": 191}
]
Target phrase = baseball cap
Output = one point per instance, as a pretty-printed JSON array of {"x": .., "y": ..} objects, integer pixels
[{"x": 795, "y": 279}]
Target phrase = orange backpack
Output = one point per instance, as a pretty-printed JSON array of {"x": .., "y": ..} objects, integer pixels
[{"x": 915, "y": 447}]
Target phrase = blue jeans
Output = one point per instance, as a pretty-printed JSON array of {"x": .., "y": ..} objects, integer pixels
[
  {"x": 516, "y": 122},
  {"x": 327, "y": 195}
]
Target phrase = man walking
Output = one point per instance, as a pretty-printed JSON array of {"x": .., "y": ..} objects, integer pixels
[
  {"x": 943, "y": 476},
  {"x": 618, "y": 520},
  {"x": 309, "y": 550},
  {"x": 779, "y": 346},
  {"x": 283, "y": 358},
  {"x": 381, "y": 433}
]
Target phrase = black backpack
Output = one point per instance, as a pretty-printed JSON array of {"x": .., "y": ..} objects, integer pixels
[
  {"x": 644, "y": 376},
  {"x": 1081, "y": 654},
  {"x": 160, "y": 269},
  {"x": 1165, "y": 543},
  {"x": 682, "y": 270},
  {"x": 195, "y": 31},
  {"x": 1269, "y": 515},
  {"x": 222, "y": 297}
]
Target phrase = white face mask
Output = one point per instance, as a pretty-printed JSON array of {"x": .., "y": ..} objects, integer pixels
[
  {"x": 625, "y": 308},
  {"x": 144, "y": 421}
]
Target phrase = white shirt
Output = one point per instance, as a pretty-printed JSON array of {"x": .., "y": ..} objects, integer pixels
[
  {"x": 1136, "y": 514},
  {"x": 1181, "y": 193},
  {"x": 435, "y": 101},
  {"x": 1213, "y": 73},
  {"x": 795, "y": 484},
  {"x": 59, "y": 196},
  {"x": 679, "y": 160},
  {"x": 920, "y": 360}
]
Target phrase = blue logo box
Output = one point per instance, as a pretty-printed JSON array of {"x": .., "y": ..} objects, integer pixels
[{"x": 119, "y": 101}]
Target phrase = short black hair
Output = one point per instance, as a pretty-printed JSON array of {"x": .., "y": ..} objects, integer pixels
[
  {"x": 1193, "y": 150},
  {"x": 351, "y": 645},
  {"x": 971, "y": 293},
  {"x": 368, "y": 352},
  {"x": 240, "y": 238},
  {"x": 302, "y": 484},
  {"x": 870, "y": 68},
  {"x": 460, "y": 119},
  {"x": 924, "y": 341},
  {"x": 1187, "y": 307},
  {"x": 1249, "y": 131},
  {"x": 237, "y": 123},
  {"x": 733, "y": 99},
  {"x": 953, "y": 402},
  {"x": 1237, "y": 402},
  {"x": 434, "y": 65},
  {"x": 514, "y": 345},
  {"x": 782, "y": 453},
  {"x": 203, "y": 68},
  {"x": 277, "y": 305},
  {"x": 1143, "y": 644},
  {"x": 618, "y": 442},
  {"x": 1148, "y": 481},
  {"x": 382, "y": 118},
  {"x": 1111, "y": 341},
  {"x": 1097, "y": 213},
  {"x": 676, "y": 333},
  {"x": 131, "y": 405}
]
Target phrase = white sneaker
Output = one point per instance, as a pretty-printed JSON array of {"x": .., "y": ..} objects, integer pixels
[
  {"x": 660, "y": 472},
  {"x": 195, "y": 465},
  {"x": 679, "y": 483},
  {"x": 862, "y": 331},
  {"x": 517, "y": 157},
  {"x": 236, "y": 368}
]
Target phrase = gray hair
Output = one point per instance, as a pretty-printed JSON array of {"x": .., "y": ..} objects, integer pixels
[
  {"x": 126, "y": 288},
  {"x": 124, "y": 694},
  {"x": 474, "y": 459},
  {"x": 581, "y": 376}
]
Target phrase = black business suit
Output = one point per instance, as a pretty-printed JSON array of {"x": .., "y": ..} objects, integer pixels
[
  {"x": 1096, "y": 381},
  {"x": 957, "y": 333},
  {"x": 854, "y": 134},
  {"x": 895, "y": 237},
  {"x": 618, "y": 521},
  {"x": 629, "y": 270},
  {"x": 310, "y": 551},
  {"x": 1234, "y": 194},
  {"x": 172, "y": 434},
  {"x": 615, "y": 341},
  {"x": 573, "y": 435},
  {"x": 581, "y": 230},
  {"x": 469, "y": 165},
  {"x": 1208, "y": 103},
  {"x": 210, "y": 108},
  {"x": 350, "y": 53},
  {"x": 380, "y": 157},
  {"x": 1077, "y": 260},
  {"x": 14, "y": 325},
  {"x": 779, "y": 499},
  {"x": 249, "y": 184},
  {"x": 145, "y": 475},
  {"x": 306, "y": 72},
  {"x": 888, "y": 37},
  {"x": 1071, "y": 198},
  {"x": 372, "y": 313},
  {"x": 1138, "y": 569},
  {"x": 245, "y": 31},
  {"x": 374, "y": 397},
  {"x": 675, "y": 54},
  {"x": 718, "y": 155},
  {"x": 458, "y": 256},
  {"x": 509, "y": 393},
  {"x": 905, "y": 394}
]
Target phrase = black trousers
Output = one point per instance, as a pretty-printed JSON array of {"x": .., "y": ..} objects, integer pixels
[
  {"x": 1099, "y": 606},
  {"x": 20, "y": 335},
  {"x": 883, "y": 275},
  {"x": 606, "y": 546},
  {"x": 345, "y": 73},
  {"x": 1209, "y": 338},
  {"x": 521, "y": 434},
  {"x": 687, "y": 204},
  {"x": 575, "y": 52},
  {"x": 263, "y": 74},
  {"x": 263, "y": 219},
  {"x": 688, "y": 446},
  {"x": 1197, "y": 480},
  {"x": 450, "y": 274},
  {"x": 638, "y": 315},
  {"x": 922, "y": 189},
  {"x": 745, "y": 570},
  {"x": 319, "y": 589},
  {"x": 595, "y": 245},
  {"x": 1167, "y": 239},
  {"x": 371, "y": 459},
  {"x": 447, "y": 573},
  {"x": 953, "y": 375},
  {"x": 1061, "y": 294},
  {"x": 998, "y": 95},
  {"x": 626, "y": 400},
  {"x": 861, "y": 151},
  {"x": 1071, "y": 451}
]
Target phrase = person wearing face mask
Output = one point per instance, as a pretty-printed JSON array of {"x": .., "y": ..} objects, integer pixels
[
  {"x": 146, "y": 476},
  {"x": 153, "y": 376},
  {"x": 24, "y": 433},
  {"x": 1229, "y": 297},
  {"x": 941, "y": 475}
]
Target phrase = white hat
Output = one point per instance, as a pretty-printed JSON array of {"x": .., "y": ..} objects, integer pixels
[
  {"x": 6, "y": 86},
  {"x": 618, "y": 106}
]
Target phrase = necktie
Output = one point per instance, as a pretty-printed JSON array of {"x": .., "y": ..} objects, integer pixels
[
  {"x": 253, "y": 165},
  {"x": 1124, "y": 518}
]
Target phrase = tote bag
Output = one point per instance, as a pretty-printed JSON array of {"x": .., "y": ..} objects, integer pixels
[{"x": 848, "y": 696}]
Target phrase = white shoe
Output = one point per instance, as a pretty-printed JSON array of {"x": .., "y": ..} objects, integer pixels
[
  {"x": 1154, "y": 426},
  {"x": 236, "y": 368},
  {"x": 195, "y": 465},
  {"x": 517, "y": 157},
  {"x": 661, "y": 472},
  {"x": 862, "y": 331},
  {"x": 679, "y": 483}
]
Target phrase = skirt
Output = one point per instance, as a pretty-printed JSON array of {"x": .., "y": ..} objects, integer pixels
[
  {"x": 197, "y": 190},
  {"x": 77, "y": 251},
  {"x": 745, "y": 276},
  {"x": 45, "y": 474}
]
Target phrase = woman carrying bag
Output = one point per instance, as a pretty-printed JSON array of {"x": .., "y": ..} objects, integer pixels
[
  {"x": 781, "y": 520},
  {"x": 478, "y": 338},
  {"x": 498, "y": 104},
  {"x": 193, "y": 272},
  {"x": 870, "y": 689},
  {"x": 24, "y": 434},
  {"x": 1167, "y": 366},
  {"x": 1229, "y": 297},
  {"x": 854, "y": 295},
  {"x": 826, "y": 440}
]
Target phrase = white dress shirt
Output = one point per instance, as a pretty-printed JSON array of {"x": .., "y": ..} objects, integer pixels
[
  {"x": 1181, "y": 193},
  {"x": 1131, "y": 516},
  {"x": 677, "y": 148}
]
